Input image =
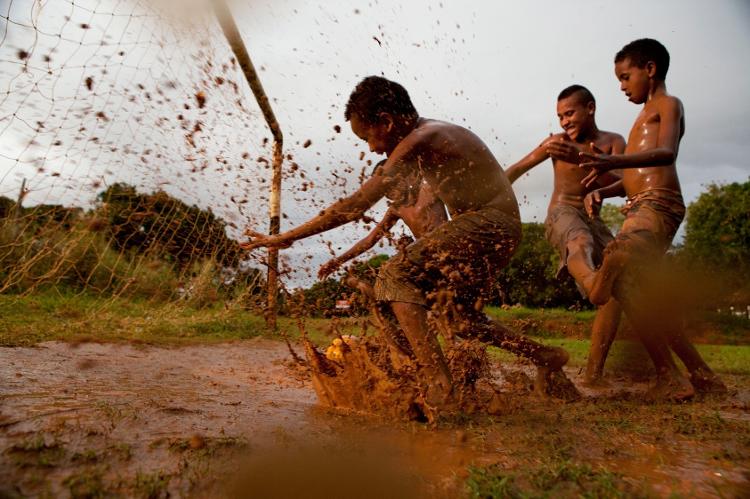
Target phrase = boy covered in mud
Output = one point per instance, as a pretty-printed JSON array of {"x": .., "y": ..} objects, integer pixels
[
  {"x": 461, "y": 258},
  {"x": 580, "y": 239},
  {"x": 410, "y": 199},
  {"x": 656, "y": 209}
]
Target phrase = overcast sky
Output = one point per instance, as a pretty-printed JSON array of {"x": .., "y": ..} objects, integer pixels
[{"x": 493, "y": 66}]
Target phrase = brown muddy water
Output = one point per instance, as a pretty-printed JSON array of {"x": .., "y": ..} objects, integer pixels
[{"x": 241, "y": 419}]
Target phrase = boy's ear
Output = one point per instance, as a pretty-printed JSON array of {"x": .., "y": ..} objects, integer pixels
[
  {"x": 386, "y": 120},
  {"x": 651, "y": 69},
  {"x": 591, "y": 107}
]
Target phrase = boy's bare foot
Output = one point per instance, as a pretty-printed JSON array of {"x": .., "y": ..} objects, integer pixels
[
  {"x": 671, "y": 386},
  {"x": 552, "y": 358},
  {"x": 439, "y": 392},
  {"x": 707, "y": 382},
  {"x": 596, "y": 381},
  {"x": 554, "y": 383}
]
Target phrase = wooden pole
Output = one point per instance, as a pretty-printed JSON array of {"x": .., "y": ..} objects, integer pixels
[{"x": 232, "y": 34}]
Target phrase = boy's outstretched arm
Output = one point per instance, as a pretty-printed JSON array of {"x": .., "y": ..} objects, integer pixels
[
  {"x": 665, "y": 152},
  {"x": 349, "y": 208},
  {"x": 339, "y": 213},
  {"x": 528, "y": 162},
  {"x": 380, "y": 230}
]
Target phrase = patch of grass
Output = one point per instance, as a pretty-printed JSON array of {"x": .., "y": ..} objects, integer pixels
[
  {"x": 52, "y": 315},
  {"x": 36, "y": 451},
  {"x": 121, "y": 450},
  {"x": 87, "y": 484},
  {"x": 87, "y": 456},
  {"x": 730, "y": 359},
  {"x": 492, "y": 482},
  {"x": 550, "y": 479},
  {"x": 57, "y": 315},
  {"x": 151, "y": 485}
]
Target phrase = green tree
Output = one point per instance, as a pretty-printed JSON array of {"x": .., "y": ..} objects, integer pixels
[
  {"x": 530, "y": 277},
  {"x": 160, "y": 224},
  {"x": 718, "y": 228},
  {"x": 612, "y": 217}
]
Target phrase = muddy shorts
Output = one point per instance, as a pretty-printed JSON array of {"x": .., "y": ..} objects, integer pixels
[
  {"x": 651, "y": 223},
  {"x": 464, "y": 255},
  {"x": 565, "y": 222}
]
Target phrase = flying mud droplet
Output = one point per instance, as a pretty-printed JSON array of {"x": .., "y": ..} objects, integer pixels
[
  {"x": 200, "y": 97},
  {"x": 23, "y": 55},
  {"x": 307, "y": 143},
  {"x": 89, "y": 81}
]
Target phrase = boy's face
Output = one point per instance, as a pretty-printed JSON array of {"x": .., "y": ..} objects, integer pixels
[
  {"x": 576, "y": 116},
  {"x": 634, "y": 81},
  {"x": 377, "y": 135}
]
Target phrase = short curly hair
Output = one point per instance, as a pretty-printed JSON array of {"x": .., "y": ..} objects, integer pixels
[
  {"x": 375, "y": 95},
  {"x": 582, "y": 92},
  {"x": 643, "y": 50}
]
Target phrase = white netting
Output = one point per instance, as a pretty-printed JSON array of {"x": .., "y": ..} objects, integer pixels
[{"x": 127, "y": 113}]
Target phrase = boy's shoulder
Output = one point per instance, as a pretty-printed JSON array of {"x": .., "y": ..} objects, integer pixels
[
  {"x": 667, "y": 103},
  {"x": 611, "y": 137},
  {"x": 556, "y": 137}
]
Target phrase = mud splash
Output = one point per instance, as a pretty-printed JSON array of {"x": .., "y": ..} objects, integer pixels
[
  {"x": 365, "y": 374},
  {"x": 114, "y": 419}
]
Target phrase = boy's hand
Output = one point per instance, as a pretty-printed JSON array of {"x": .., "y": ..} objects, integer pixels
[
  {"x": 564, "y": 150},
  {"x": 598, "y": 161},
  {"x": 260, "y": 240},
  {"x": 328, "y": 268},
  {"x": 593, "y": 203}
]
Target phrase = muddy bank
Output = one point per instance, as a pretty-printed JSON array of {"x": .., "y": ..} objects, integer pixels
[{"x": 235, "y": 418}]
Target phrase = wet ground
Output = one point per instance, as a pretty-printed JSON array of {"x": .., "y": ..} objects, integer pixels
[{"x": 239, "y": 419}]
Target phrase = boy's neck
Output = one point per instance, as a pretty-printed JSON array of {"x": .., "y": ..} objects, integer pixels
[
  {"x": 657, "y": 89},
  {"x": 590, "y": 134}
]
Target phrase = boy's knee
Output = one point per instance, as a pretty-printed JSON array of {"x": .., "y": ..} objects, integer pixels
[{"x": 580, "y": 244}]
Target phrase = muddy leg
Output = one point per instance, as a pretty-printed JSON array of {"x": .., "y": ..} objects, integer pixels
[
  {"x": 602, "y": 335},
  {"x": 396, "y": 340},
  {"x": 413, "y": 320},
  {"x": 703, "y": 379},
  {"x": 599, "y": 286},
  {"x": 494, "y": 333},
  {"x": 670, "y": 383}
]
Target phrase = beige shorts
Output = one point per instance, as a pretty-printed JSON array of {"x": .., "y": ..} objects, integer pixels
[
  {"x": 464, "y": 255},
  {"x": 565, "y": 222}
]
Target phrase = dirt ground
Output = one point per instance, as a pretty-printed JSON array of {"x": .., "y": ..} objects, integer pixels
[{"x": 238, "y": 419}]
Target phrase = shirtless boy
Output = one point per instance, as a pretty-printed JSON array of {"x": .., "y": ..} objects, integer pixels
[
  {"x": 412, "y": 201},
  {"x": 580, "y": 239},
  {"x": 656, "y": 209},
  {"x": 462, "y": 256}
]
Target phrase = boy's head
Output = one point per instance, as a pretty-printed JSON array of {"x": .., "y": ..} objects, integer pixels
[
  {"x": 380, "y": 111},
  {"x": 638, "y": 64},
  {"x": 575, "y": 109}
]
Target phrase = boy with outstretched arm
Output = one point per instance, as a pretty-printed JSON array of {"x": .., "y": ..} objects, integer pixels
[
  {"x": 580, "y": 239},
  {"x": 410, "y": 200},
  {"x": 462, "y": 256},
  {"x": 655, "y": 211}
]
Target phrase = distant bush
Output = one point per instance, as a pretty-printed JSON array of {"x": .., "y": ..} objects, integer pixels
[
  {"x": 530, "y": 277},
  {"x": 158, "y": 248}
]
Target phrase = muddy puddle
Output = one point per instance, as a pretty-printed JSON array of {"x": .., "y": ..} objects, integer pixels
[{"x": 240, "y": 419}]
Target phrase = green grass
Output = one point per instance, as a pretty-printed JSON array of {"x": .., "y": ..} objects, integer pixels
[
  {"x": 549, "y": 479},
  {"x": 27, "y": 320},
  {"x": 731, "y": 359}
]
